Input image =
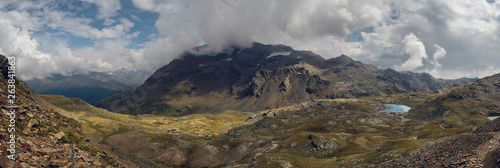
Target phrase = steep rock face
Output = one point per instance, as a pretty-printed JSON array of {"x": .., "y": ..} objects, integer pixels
[
  {"x": 264, "y": 76},
  {"x": 43, "y": 137}
]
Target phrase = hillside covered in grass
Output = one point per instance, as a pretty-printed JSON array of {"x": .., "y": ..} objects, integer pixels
[
  {"x": 132, "y": 138},
  {"x": 462, "y": 105},
  {"x": 319, "y": 133}
]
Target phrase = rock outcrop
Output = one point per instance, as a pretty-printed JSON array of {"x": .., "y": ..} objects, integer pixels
[
  {"x": 41, "y": 136},
  {"x": 479, "y": 148}
]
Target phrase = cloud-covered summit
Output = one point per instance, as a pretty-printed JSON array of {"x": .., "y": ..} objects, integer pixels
[{"x": 448, "y": 39}]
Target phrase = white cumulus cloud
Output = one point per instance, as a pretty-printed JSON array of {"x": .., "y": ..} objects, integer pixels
[
  {"x": 448, "y": 39},
  {"x": 416, "y": 50},
  {"x": 107, "y": 8}
]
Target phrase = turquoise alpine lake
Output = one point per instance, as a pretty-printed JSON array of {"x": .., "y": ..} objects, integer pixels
[{"x": 396, "y": 108}]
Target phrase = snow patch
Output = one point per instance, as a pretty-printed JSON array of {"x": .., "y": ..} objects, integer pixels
[
  {"x": 493, "y": 117},
  {"x": 286, "y": 53}
]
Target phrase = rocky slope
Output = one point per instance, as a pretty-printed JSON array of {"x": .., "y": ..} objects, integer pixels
[
  {"x": 43, "y": 137},
  {"x": 462, "y": 105},
  {"x": 260, "y": 77},
  {"x": 90, "y": 87},
  {"x": 479, "y": 148}
]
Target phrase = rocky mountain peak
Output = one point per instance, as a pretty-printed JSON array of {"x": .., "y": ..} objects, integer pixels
[
  {"x": 341, "y": 60},
  {"x": 259, "y": 77}
]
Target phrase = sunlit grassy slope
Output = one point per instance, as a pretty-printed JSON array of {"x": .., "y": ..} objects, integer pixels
[
  {"x": 103, "y": 120},
  {"x": 118, "y": 133},
  {"x": 311, "y": 134}
]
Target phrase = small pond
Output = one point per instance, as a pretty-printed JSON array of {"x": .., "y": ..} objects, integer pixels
[{"x": 396, "y": 108}]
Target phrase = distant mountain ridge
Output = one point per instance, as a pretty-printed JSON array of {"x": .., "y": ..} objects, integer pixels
[
  {"x": 260, "y": 77},
  {"x": 136, "y": 77},
  {"x": 90, "y": 87}
]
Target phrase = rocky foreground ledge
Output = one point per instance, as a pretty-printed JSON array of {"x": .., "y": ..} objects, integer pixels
[{"x": 39, "y": 135}]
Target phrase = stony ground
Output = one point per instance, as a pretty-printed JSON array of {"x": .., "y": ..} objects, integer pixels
[{"x": 44, "y": 138}]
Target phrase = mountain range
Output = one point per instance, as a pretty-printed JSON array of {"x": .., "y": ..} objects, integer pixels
[
  {"x": 447, "y": 125},
  {"x": 261, "y": 77},
  {"x": 90, "y": 87}
]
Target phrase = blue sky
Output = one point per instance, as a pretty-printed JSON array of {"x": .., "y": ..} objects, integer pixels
[
  {"x": 448, "y": 39},
  {"x": 143, "y": 22}
]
